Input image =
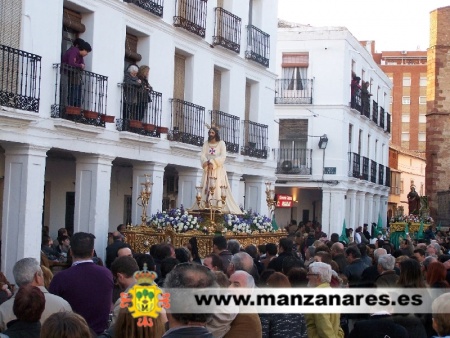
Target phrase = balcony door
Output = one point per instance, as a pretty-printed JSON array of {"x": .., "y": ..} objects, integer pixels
[{"x": 295, "y": 74}]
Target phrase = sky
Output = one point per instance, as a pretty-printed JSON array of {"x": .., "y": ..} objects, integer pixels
[{"x": 393, "y": 24}]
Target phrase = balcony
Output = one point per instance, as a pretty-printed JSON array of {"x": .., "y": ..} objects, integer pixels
[
  {"x": 375, "y": 111},
  {"x": 153, "y": 6},
  {"x": 388, "y": 178},
  {"x": 382, "y": 117},
  {"x": 291, "y": 161},
  {"x": 354, "y": 161},
  {"x": 365, "y": 106},
  {"x": 293, "y": 91},
  {"x": 255, "y": 139},
  {"x": 188, "y": 123},
  {"x": 227, "y": 30},
  {"x": 258, "y": 46},
  {"x": 365, "y": 171},
  {"x": 356, "y": 102},
  {"x": 388, "y": 123},
  {"x": 381, "y": 174},
  {"x": 191, "y": 16},
  {"x": 373, "y": 171},
  {"x": 80, "y": 95},
  {"x": 229, "y": 129},
  {"x": 140, "y": 110},
  {"x": 20, "y": 79}
]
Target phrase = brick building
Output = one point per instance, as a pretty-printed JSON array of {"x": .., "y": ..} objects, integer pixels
[{"x": 438, "y": 111}]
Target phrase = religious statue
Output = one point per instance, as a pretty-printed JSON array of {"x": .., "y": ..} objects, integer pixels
[
  {"x": 413, "y": 201},
  {"x": 214, "y": 153}
]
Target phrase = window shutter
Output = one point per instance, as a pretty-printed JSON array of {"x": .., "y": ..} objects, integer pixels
[
  {"x": 131, "y": 53},
  {"x": 72, "y": 20},
  {"x": 293, "y": 129},
  {"x": 295, "y": 60}
]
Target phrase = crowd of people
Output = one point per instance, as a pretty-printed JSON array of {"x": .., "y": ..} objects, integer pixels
[{"x": 83, "y": 300}]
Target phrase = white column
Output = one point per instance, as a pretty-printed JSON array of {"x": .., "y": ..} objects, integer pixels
[
  {"x": 337, "y": 211},
  {"x": 155, "y": 171},
  {"x": 326, "y": 211},
  {"x": 92, "y": 195},
  {"x": 369, "y": 205},
  {"x": 234, "y": 180},
  {"x": 376, "y": 208},
  {"x": 352, "y": 217},
  {"x": 255, "y": 194},
  {"x": 383, "y": 209},
  {"x": 188, "y": 179},
  {"x": 360, "y": 208},
  {"x": 22, "y": 204}
]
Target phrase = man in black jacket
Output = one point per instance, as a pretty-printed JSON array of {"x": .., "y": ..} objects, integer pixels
[{"x": 285, "y": 247}]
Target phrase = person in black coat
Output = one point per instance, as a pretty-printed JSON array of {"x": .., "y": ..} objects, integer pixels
[
  {"x": 378, "y": 326},
  {"x": 284, "y": 250}
]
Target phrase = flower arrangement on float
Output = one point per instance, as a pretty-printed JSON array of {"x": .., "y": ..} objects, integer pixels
[
  {"x": 248, "y": 223},
  {"x": 412, "y": 219},
  {"x": 178, "y": 218}
]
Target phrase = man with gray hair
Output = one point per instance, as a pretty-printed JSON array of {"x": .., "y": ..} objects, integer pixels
[
  {"x": 441, "y": 315},
  {"x": 371, "y": 273},
  {"x": 240, "y": 261},
  {"x": 242, "y": 279},
  {"x": 322, "y": 325},
  {"x": 233, "y": 246},
  {"x": 27, "y": 271},
  {"x": 387, "y": 278}
]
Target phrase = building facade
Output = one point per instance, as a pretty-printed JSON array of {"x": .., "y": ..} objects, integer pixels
[
  {"x": 346, "y": 178},
  {"x": 80, "y": 163},
  {"x": 438, "y": 111}
]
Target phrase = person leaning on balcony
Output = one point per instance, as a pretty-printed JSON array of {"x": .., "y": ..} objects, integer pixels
[
  {"x": 355, "y": 87},
  {"x": 144, "y": 96},
  {"x": 74, "y": 58},
  {"x": 365, "y": 95},
  {"x": 130, "y": 89}
]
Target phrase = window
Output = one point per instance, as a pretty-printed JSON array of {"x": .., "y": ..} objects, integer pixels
[
  {"x": 422, "y": 137},
  {"x": 72, "y": 27},
  {"x": 405, "y": 136},
  {"x": 295, "y": 69},
  {"x": 401, "y": 187},
  {"x": 423, "y": 81},
  {"x": 422, "y": 100},
  {"x": 405, "y": 117},
  {"x": 422, "y": 118},
  {"x": 406, "y": 82},
  {"x": 406, "y": 99},
  {"x": 395, "y": 183}
]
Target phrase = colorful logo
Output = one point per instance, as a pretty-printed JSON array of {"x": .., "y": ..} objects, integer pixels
[{"x": 145, "y": 300}]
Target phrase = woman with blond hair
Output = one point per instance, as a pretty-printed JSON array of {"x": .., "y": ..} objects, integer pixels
[{"x": 144, "y": 96}]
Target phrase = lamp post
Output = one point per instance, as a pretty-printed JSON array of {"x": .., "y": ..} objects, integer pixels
[{"x": 323, "y": 141}]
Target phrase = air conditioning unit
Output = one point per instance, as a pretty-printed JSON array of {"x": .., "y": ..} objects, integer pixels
[{"x": 404, "y": 52}]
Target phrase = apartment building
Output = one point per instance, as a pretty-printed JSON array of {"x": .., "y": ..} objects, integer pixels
[
  {"x": 333, "y": 143},
  {"x": 80, "y": 164}
]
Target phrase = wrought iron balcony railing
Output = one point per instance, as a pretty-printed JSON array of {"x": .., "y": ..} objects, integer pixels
[
  {"x": 140, "y": 110},
  {"x": 229, "y": 129},
  {"x": 380, "y": 174},
  {"x": 153, "y": 6},
  {"x": 354, "y": 161},
  {"x": 188, "y": 122},
  {"x": 388, "y": 123},
  {"x": 255, "y": 139},
  {"x": 80, "y": 95},
  {"x": 388, "y": 177},
  {"x": 375, "y": 111},
  {"x": 382, "y": 117},
  {"x": 227, "y": 30},
  {"x": 191, "y": 16},
  {"x": 373, "y": 171},
  {"x": 293, "y": 91},
  {"x": 20, "y": 79},
  {"x": 365, "y": 168},
  {"x": 365, "y": 105},
  {"x": 258, "y": 46},
  {"x": 356, "y": 102},
  {"x": 291, "y": 161}
]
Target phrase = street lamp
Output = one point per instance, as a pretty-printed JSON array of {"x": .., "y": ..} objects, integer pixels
[{"x": 323, "y": 142}]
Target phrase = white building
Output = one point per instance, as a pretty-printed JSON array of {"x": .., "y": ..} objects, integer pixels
[
  {"x": 61, "y": 165},
  {"x": 348, "y": 179}
]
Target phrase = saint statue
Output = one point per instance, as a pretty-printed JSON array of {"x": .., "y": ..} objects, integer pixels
[
  {"x": 214, "y": 153},
  {"x": 413, "y": 201}
]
